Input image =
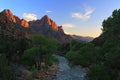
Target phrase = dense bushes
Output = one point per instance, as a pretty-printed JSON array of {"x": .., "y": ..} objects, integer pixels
[
  {"x": 11, "y": 50},
  {"x": 50, "y": 59},
  {"x": 63, "y": 48},
  {"x": 99, "y": 72},
  {"x": 112, "y": 57},
  {"x": 85, "y": 55},
  {"x": 6, "y": 71},
  {"x": 28, "y": 52},
  {"x": 41, "y": 51},
  {"x": 31, "y": 56}
]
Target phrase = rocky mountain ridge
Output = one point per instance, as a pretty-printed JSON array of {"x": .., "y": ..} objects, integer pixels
[
  {"x": 49, "y": 28},
  {"x": 15, "y": 19},
  {"x": 12, "y": 25}
]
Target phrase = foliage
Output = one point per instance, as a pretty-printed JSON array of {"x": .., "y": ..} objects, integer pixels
[
  {"x": 99, "y": 72},
  {"x": 50, "y": 44},
  {"x": 64, "y": 48},
  {"x": 73, "y": 57},
  {"x": 28, "y": 55},
  {"x": 50, "y": 59},
  {"x": 75, "y": 45},
  {"x": 31, "y": 54},
  {"x": 41, "y": 51},
  {"x": 111, "y": 27},
  {"x": 6, "y": 71},
  {"x": 13, "y": 48},
  {"x": 112, "y": 57},
  {"x": 85, "y": 55}
]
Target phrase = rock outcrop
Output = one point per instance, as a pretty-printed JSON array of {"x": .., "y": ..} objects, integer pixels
[
  {"x": 48, "y": 22},
  {"x": 15, "y": 19},
  {"x": 49, "y": 28},
  {"x": 24, "y": 23},
  {"x": 10, "y": 15},
  {"x": 13, "y": 26}
]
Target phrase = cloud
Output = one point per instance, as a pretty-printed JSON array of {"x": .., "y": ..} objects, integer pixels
[
  {"x": 83, "y": 16},
  {"x": 48, "y": 11},
  {"x": 68, "y": 25},
  {"x": 29, "y": 16}
]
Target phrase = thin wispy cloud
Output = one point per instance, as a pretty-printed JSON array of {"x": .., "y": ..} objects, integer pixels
[
  {"x": 68, "y": 25},
  {"x": 48, "y": 11},
  {"x": 84, "y": 16},
  {"x": 29, "y": 16}
]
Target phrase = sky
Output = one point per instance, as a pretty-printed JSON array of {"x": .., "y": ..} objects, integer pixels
[{"x": 79, "y": 17}]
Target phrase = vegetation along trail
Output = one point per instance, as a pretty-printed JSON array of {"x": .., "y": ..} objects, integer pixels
[{"x": 67, "y": 73}]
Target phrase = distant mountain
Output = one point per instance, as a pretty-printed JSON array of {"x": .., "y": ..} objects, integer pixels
[
  {"x": 81, "y": 38},
  {"x": 49, "y": 28},
  {"x": 11, "y": 25}
]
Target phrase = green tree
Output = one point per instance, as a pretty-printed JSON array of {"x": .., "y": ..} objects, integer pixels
[
  {"x": 112, "y": 57},
  {"x": 99, "y": 72},
  {"x": 73, "y": 57},
  {"x": 31, "y": 55},
  {"x": 50, "y": 44},
  {"x": 42, "y": 47},
  {"x": 111, "y": 27}
]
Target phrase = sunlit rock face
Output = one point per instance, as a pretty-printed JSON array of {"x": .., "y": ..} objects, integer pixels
[
  {"x": 15, "y": 19},
  {"x": 13, "y": 26},
  {"x": 9, "y": 14},
  {"x": 24, "y": 23},
  {"x": 48, "y": 22},
  {"x": 49, "y": 28}
]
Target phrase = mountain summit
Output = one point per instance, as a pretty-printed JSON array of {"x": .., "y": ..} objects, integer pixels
[
  {"x": 48, "y": 22},
  {"x": 49, "y": 28},
  {"x": 13, "y": 26},
  {"x": 15, "y": 19}
]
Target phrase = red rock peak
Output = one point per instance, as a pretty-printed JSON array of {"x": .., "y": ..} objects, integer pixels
[
  {"x": 15, "y": 19},
  {"x": 9, "y": 14},
  {"x": 45, "y": 19},
  {"x": 24, "y": 23}
]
